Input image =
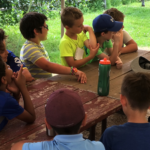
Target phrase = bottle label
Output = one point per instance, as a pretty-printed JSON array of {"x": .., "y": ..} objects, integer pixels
[{"x": 100, "y": 89}]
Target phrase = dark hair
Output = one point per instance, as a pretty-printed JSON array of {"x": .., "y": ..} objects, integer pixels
[
  {"x": 68, "y": 130},
  {"x": 69, "y": 14},
  {"x": 115, "y": 13},
  {"x": 2, "y": 35},
  {"x": 98, "y": 34},
  {"x": 136, "y": 88},
  {"x": 31, "y": 21},
  {"x": 2, "y": 69},
  {"x": 2, "y": 47}
]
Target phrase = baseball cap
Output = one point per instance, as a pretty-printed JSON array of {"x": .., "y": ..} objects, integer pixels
[
  {"x": 106, "y": 22},
  {"x": 140, "y": 64},
  {"x": 64, "y": 109}
]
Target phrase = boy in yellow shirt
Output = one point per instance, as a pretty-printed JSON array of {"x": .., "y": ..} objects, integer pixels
[{"x": 72, "y": 44}]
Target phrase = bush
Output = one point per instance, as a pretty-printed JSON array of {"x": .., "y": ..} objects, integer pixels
[{"x": 116, "y": 2}]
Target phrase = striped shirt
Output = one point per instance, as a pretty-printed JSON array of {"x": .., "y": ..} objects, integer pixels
[{"x": 29, "y": 54}]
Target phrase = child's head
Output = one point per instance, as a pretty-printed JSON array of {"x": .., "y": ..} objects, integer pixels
[
  {"x": 5, "y": 73},
  {"x": 104, "y": 25},
  {"x": 64, "y": 111},
  {"x": 33, "y": 24},
  {"x": 136, "y": 89},
  {"x": 3, "y": 51},
  {"x": 72, "y": 19},
  {"x": 115, "y": 13}
]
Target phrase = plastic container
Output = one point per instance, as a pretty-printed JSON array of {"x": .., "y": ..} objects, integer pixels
[{"x": 103, "y": 77}]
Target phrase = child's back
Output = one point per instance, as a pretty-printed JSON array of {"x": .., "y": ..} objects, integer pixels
[{"x": 135, "y": 100}]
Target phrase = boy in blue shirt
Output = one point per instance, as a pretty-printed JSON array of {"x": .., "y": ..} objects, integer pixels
[
  {"x": 135, "y": 100},
  {"x": 9, "y": 105},
  {"x": 65, "y": 114},
  {"x": 9, "y": 57}
]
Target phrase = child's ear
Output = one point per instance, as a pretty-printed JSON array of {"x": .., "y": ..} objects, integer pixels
[
  {"x": 123, "y": 100},
  {"x": 67, "y": 27},
  {"x": 84, "y": 120},
  {"x": 35, "y": 31},
  {"x": 4, "y": 80},
  {"x": 47, "y": 125},
  {"x": 103, "y": 33}
]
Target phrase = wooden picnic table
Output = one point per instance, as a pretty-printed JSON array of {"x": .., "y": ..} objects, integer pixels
[{"x": 97, "y": 108}]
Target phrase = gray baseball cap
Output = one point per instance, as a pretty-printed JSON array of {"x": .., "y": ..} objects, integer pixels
[{"x": 140, "y": 64}]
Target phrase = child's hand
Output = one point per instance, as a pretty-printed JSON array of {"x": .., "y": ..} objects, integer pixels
[
  {"x": 81, "y": 76},
  {"x": 86, "y": 28},
  {"x": 118, "y": 63},
  {"x": 93, "y": 51},
  {"x": 116, "y": 37},
  {"x": 12, "y": 87},
  {"x": 20, "y": 79}
]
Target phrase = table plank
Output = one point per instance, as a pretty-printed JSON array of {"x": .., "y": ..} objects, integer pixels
[
  {"x": 37, "y": 134},
  {"x": 99, "y": 109}
]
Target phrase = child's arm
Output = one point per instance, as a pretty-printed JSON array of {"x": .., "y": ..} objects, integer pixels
[
  {"x": 131, "y": 45},
  {"x": 59, "y": 69},
  {"x": 78, "y": 63},
  {"x": 27, "y": 75},
  {"x": 92, "y": 39},
  {"x": 114, "y": 50},
  {"x": 28, "y": 114}
]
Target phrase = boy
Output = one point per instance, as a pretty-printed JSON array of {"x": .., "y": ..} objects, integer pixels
[
  {"x": 9, "y": 106},
  {"x": 106, "y": 28},
  {"x": 65, "y": 114},
  {"x": 71, "y": 46},
  {"x": 34, "y": 28},
  {"x": 135, "y": 100},
  {"x": 9, "y": 57},
  {"x": 126, "y": 39}
]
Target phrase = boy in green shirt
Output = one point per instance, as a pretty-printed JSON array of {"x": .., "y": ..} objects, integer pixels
[{"x": 106, "y": 28}]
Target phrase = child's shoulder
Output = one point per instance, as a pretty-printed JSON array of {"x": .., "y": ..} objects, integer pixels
[{"x": 3, "y": 97}]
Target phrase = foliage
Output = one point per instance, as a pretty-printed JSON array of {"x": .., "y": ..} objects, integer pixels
[{"x": 116, "y": 2}]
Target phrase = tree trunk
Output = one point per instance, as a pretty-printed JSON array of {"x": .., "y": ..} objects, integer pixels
[{"x": 143, "y": 4}]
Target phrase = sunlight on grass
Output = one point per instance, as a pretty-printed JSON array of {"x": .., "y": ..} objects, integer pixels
[{"x": 137, "y": 23}]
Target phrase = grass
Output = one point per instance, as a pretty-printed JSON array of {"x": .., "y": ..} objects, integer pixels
[{"x": 137, "y": 23}]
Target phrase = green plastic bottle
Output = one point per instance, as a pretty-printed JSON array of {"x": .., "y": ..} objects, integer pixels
[{"x": 103, "y": 77}]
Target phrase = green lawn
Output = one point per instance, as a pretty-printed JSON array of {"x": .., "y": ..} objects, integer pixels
[{"x": 137, "y": 23}]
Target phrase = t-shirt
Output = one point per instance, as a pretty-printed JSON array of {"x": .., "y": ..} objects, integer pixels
[
  {"x": 65, "y": 142},
  {"x": 68, "y": 46},
  {"x": 9, "y": 108},
  {"x": 129, "y": 136},
  {"x": 126, "y": 37},
  {"x": 106, "y": 44},
  {"x": 29, "y": 54},
  {"x": 14, "y": 62}
]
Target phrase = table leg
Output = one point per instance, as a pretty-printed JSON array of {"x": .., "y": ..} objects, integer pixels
[
  {"x": 92, "y": 133},
  {"x": 104, "y": 124}
]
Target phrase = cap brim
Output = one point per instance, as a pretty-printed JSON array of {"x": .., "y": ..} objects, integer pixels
[
  {"x": 136, "y": 67},
  {"x": 118, "y": 25}
]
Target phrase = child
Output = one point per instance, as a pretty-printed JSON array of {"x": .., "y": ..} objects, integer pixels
[
  {"x": 106, "y": 28},
  {"x": 34, "y": 28},
  {"x": 135, "y": 100},
  {"x": 9, "y": 57},
  {"x": 64, "y": 113},
  {"x": 126, "y": 39},
  {"x": 9, "y": 105},
  {"x": 71, "y": 46}
]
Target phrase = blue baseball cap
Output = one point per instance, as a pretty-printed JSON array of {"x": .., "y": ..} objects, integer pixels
[{"x": 106, "y": 22}]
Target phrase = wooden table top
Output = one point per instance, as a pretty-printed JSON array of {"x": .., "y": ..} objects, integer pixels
[{"x": 40, "y": 90}]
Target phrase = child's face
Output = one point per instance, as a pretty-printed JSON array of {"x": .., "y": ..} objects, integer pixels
[
  {"x": 78, "y": 26},
  {"x": 4, "y": 55},
  {"x": 9, "y": 73},
  {"x": 108, "y": 35},
  {"x": 43, "y": 35}
]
